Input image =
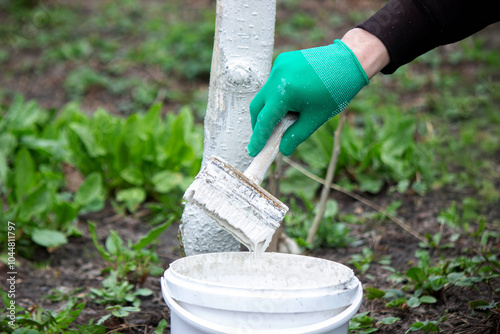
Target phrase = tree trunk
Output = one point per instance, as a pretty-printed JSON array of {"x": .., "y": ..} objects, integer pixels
[{"x": 241, "y": 61}]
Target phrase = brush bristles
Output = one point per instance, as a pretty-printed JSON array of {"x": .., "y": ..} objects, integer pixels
[{"x": 241, "y": 207}]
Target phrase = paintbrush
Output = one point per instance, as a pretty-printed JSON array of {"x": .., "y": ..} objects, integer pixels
[{"x": 236, "y": 201}]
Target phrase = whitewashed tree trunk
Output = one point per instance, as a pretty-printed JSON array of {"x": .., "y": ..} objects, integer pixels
[{"x": 241, "y": 61}]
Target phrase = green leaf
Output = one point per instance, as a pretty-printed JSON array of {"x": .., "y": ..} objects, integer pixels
[
  {"x": 105, "y": 255},
  {"x": 133, "y": 176},
  {"x": 416, "y": 326},
  {"x": 103, "y": 319},
  {"x": 24, "y": 173},
  {"x": 114, "y": 244},
  {"x": 143, "y": 292},
  {"x": 413, "y": 302},
  {"x": 91, "y": 329},
  {"x": 426, "y": 326},
  {"x": 48, "y": 238},
  {"x": 89, "y": 190},
  {"x": 8, "y": 143},
  {"x": 416, "y": 274},
  {"x": 294, "y": 182},
  {"x": 373, "y": 293},
  {"x": 152, "y": 119},
  {"x": 176, "y": 148},
  {"x": 478, "y": 304},
  {"x": 165, "y": 181},
  {"x": 152, "y": 235},
  {"x": 64, "y": 213},
  {"x": 122, "y": 311},
  {"x": 388, "y": 320},
  {"x": 428, "y": 300},
  {"x": 437, "y": 282},
  {"x": 460, "y": 279},
  {"x": 21, "y": 116},
  {"x": 132, "y": 197},
  {"x": 36, "y": 203},
  {"x": 87, "y": 139},
  {"x": 54, "y": 148},
  {"x": 369, "y": 184},
  {"x": 161, "y": 326},
  {"x": 331, "y": 210},
  {"x": 484, "y": 305},
  {"x": 396, "y": 302},
  {"x": 3, "y": 170},
  {"x": 403, "y": 185},
  {"x": 69, "y": 314}
]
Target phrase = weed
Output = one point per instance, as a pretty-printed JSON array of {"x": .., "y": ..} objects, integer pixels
[
  {"x": 31, "y": 166},
  {"x": 133, "y": 259},
  {"x": 117, "y": 292},
  {"x": 364, "y": 260},
  {"x": 483, "y": 306},
  {"x": 141, "y": 157},
  {"x": 161, "y": 326},
  {"x": 374, "y": 150},
  {"x": 362, "y": 323},
  {"x": 426, "y": 326},
  {"x": 331, "y": 233},
  {"x": 425, "y": 282},
  {"x": 36, "y": 320}
]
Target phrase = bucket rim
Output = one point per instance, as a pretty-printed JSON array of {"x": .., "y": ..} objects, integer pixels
[{"x": 350, "y": 281}]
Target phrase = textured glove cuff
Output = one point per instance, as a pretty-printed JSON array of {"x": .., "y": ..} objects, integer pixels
[{"x": 339, "y": 70}]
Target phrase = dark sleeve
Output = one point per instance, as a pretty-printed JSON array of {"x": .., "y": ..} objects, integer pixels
[{"x": 410, "y": 28}]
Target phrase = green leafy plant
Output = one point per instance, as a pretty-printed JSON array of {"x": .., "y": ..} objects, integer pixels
[
  {"x": 161, "y": 326},
  {"x": 129, "y": 266},
  {"x": 39, "y": 321},
  {"x": 375, "y": 150},
  {"x": 31, "y": 167},
  {"x": 117, "y": 292},
  {"x": 364, "y": 260},
  {"x": 119, "y": 296},
  {"x": 134, "y": 262},
  {"x": 425, "y": 282},
  {"x": 134, "y": 160},
  {"x": 140, "y": 156},
  {"x": 426, "y": 326},
  {"x": 362, "y": 323},
  {"x": 331, "y": 233},
  {"x": 178, "y": 47},
  {"x": 488, "y": 308}
]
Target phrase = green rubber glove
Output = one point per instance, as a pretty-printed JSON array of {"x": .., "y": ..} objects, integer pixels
[{"x": 317, "y": 83}]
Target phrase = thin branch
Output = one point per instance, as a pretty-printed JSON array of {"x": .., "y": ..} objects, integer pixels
[
  {"x": 330, "y": 173},
  {"x": 357, "y": 197}
]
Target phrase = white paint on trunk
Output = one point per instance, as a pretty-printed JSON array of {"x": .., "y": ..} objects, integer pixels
[
  {"x": 241, "y": 62},
  {"x": 236, "y": 200}
]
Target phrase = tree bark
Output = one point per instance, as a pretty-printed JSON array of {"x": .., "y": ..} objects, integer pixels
[{"x": 241, "y": 61}]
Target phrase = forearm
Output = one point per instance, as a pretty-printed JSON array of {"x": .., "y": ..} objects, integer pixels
[
  {"x": 370, "y": 51},
  {"x": 410, "y": 28}
]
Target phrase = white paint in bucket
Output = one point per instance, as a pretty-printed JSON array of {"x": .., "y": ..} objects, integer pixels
[{"x": 281, "y": 293}]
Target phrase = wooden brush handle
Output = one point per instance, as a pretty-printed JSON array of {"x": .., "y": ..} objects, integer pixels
[{"x": 261, "y": 163}]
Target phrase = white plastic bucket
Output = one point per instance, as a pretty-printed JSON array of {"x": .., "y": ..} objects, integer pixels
[{"x": 236, "y": 293}]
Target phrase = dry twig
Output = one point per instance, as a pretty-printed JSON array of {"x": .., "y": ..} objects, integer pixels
[
  {"x": 357, "y": 197},
  {"x": 330, "y": 173}
]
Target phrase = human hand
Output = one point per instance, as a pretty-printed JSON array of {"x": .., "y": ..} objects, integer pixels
[{"x": 317, "y": 83}]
